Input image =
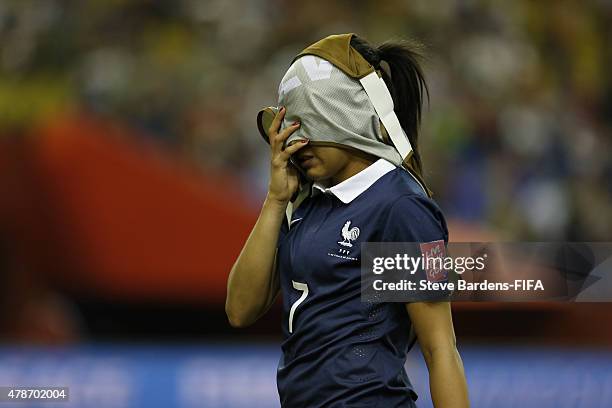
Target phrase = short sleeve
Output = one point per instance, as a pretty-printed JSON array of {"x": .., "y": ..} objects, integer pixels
[
  {"x": 413, "y": 218},
  {"x": 419, "y": 222}
]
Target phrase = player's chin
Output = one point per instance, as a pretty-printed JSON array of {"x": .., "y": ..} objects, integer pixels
[{"x": 316, "y": 172}]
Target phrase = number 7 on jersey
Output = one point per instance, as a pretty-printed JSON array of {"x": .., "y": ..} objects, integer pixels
[{"x": 304, "y": 289}]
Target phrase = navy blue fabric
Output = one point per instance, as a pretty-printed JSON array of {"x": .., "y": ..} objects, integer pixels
[{"x": 344, "y": 352}]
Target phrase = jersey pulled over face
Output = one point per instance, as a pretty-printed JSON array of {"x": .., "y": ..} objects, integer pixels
[
  {"x": 338, "y": 350},
  {"x": 331, "y": 107}
]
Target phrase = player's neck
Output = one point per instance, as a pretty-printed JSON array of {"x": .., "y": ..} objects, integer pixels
[{"x": 352, "y": 167}]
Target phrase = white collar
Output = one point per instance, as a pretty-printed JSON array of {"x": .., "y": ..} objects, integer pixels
[{"x": 353, "y": 186}]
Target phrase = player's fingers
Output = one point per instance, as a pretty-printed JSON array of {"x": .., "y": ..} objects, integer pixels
[
  {"x": 279, "y": 139},
  {"x": 286, "y": 132},
  {"x": 293, "y": 148},
  {"x": 280, "y": 159},
  {"x": 275, "y": 126}
]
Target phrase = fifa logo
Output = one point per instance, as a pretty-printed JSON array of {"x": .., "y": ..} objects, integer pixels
[{"x": 348, "y": 235}]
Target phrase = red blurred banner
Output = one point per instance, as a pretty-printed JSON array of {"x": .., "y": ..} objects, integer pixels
[{"x": 87, "y": 202}]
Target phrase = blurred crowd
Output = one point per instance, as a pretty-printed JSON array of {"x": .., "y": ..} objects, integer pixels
[{"x": 516, "y": 136}]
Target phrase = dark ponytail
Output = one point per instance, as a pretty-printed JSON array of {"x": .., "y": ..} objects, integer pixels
[{"x": 406, "y": 84}]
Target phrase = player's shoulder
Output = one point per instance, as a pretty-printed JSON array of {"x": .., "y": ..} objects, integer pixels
[
  {"x": 401, "y": 189},
  {"x": 414, "y": 206},
  {"x": 400, "y": 181},
  {"x": 407, "y": 206}
]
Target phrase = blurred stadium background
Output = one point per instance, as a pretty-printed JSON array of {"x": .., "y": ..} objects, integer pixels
[{"x": 131, "y": 171}]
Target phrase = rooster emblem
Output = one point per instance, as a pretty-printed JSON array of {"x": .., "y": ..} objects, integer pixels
[{"x": 348, "y": 234}]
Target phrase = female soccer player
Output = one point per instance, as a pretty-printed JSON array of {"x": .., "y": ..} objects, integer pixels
[{"x": 344, "y": 142}]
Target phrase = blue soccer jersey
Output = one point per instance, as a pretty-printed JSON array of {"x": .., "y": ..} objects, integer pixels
[{"x": 339, "y": 351}]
